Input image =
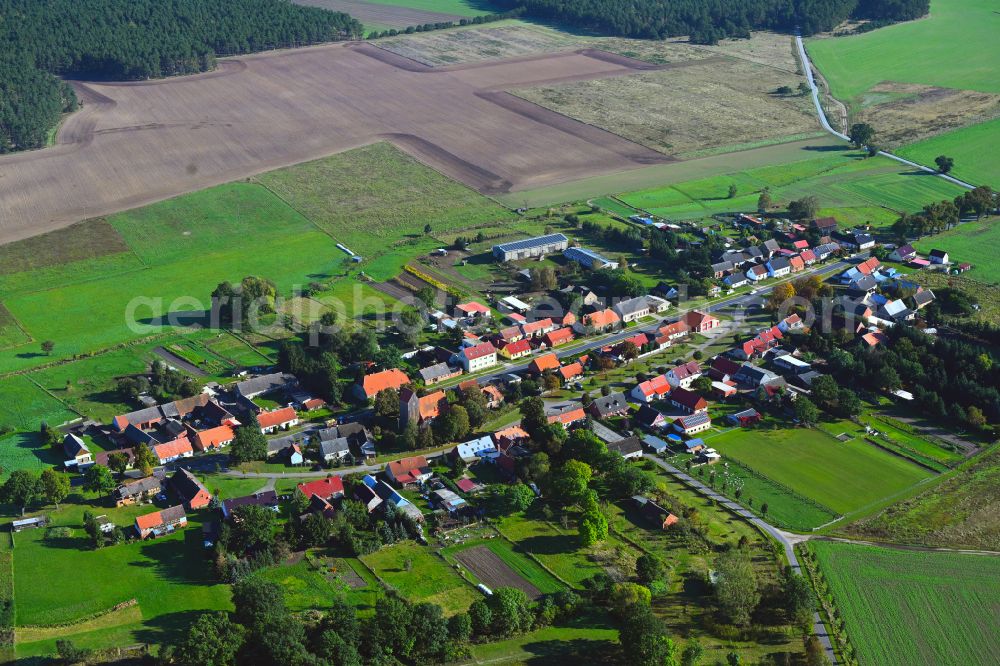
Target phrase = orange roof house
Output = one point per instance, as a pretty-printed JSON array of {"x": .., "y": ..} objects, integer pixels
[
  {"x": 494, "y": 398},
  {"x": 544, "y": 362},
  {"x": 277, "y": 418},
  {"x": 408, "y": 470},
  {"x": 472, "y": 309},
  {"x": 574, "y": 369},
  {"x": 797, "y": 263},
  {"x": 874, "y": 339},
  {"x": 569, "y": 417},
  {"x": 380, "y": 381},
  {"x": 537, "y": 328},
  {"x": 602, "y": 319},
  {"x": 557, "y": 337},
  {"x": 213, "y": 438},
  {"x": 174, "y": 449}
]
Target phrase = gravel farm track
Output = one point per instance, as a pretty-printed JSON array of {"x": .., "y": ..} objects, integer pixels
[
  {"x": 494, "y": 572},
  {"x": 139, "y": 142}
]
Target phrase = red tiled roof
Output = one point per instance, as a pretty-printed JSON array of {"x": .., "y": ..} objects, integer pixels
[
  {"x": 571, "y": 370},
  {"x": 676, "y": 328},
  {"x": 808, "y": 255},
  {"x": 868, "y": 267},
  {"x": 472, "y": 307},
  {"x": 874, "y": 338},
  {"x": 401, "y": 469},
  {"x": 510, "y": 333},
  {"x": 694, "y": 318},
  {"x": 325, "y": 488},
  {"x": 173, "y": 448},
  {"x": 429, "y": 406},
  {"x": 688, "y": 399},
  {"x": 213, "y": 437},
  {"x": 380, "y": 381},
  {"x": 601, "y": 318},
  {"x": 515, "y": 348},
  {"x": 513, "y": 432},
  {"x": 568, "y": 417},
  {"x": 466, "y": 485},
  {"x": 149, "y": 520},
  {"x": 544, "y": 362},
  {"x": 535, "y": 326},
  {"x": 558, "y": 337},
  {"x": 639, "y": 339},
  {"x": 479, "y": 351},
  {"x": 276, "y": 418},
  {"x": 658, "y": 386},
  {"x": 797, "y": 263},
  {"x": 686, "y": 370},
  {"x": 567, "y": 319},
  {"x": 800, "y": 244}
]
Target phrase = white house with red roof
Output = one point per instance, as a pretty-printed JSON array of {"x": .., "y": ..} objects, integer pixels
[
  {"x": 652, "y": 389},
  {"x": 683, "y": 375},
  {"x": 278, "y": 418},
  {"x": 478, "y": 357}
]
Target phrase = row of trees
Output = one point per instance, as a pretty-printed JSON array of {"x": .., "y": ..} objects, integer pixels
[
  {"x": 132, "y": 39},
  {"x": 708, "y": 21}
]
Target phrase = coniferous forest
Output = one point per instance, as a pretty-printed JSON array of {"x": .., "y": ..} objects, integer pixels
[
  {"x": 707, "y": 21},
  {"x": 41, "y": 40}
]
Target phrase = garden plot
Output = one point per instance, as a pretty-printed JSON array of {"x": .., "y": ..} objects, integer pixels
[{"x": 493, "y": 572}]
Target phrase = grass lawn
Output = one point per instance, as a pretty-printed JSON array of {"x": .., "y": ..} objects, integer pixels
[
  {"x": 893, "y": 437},
  {"x": 589, "y": 635},
  {"x": 309, "y": 584},
  {"x": 23, "y": 405},
  {"x": 965, "y": 146},
  {"x": 843, "y": 476},
  {"x": 428, "y": 577},
  {"x": 171, "y": 578},
  {"x": 973, "y": 242},
  {"x": 904, "y": 607}
]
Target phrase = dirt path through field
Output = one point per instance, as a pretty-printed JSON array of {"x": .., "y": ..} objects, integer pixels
[{"x": 139, "y": 142}]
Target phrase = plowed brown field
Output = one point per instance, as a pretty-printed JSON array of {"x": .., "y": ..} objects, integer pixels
[
  {"x": 494, "y": 572},
  {"x": 135, "y": 143}
]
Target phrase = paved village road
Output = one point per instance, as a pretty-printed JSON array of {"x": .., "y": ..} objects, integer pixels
[{"x": 786, "y": 539}]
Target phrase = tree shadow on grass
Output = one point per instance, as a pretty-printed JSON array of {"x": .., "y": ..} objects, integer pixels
[
  {"x": 182, "y": 319},
  {"x": 570, "y": 652},
  {"x": 167, "y": 629},
  {"x": 550, "y": 545}
]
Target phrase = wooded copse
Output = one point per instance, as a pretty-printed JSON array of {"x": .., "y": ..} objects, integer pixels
[
  {"x": 129, "y": 40},
  {"x": 707, "y": 21}
]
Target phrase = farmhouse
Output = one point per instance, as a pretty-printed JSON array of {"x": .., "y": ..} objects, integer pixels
[
  {"x": 160, "y": 523},
  {"x": 473, "y": 310},
  {"x": 756, "y": 273},
  {"x": 651, "y": 389},
  {"x": 639, "y": 307},
  {"x": 824, "y": 225},
  {"x": 278, "y": 381},
  {"x": 650, "y": 418},
  {"x": 745, "y": 418},
  {"x": 380, "y": 381},
  {"x": 601, "y": 320},
  {"x": 654, "y": 513},
  {"x": 723, "y": 368},
  {"x": 214, "y": 438},
  {"x": 483, "y": 447},
  {"x": 688, "y": 401},
  {"x": 778, "y": 267},
  {"x": 608, "y": 405},
  {"x": 568, "y": 417},
  {"x": 537, "y": 329},
  {"x": 438, "y": 373},
  {"x": 903, "y": 253},
  {"x": 923, "y": 298},
  {"x": 589, "y": 259},
  {"x": 267, "y": 499},
  {"x": 189, "y": 490},
  {"x": 77, "y": 452},
  {"x": 278, "y": 418},
  {"x": 761, "y": 343},
  {"x": 791, "y": 323},
  {"x": 629, "y": 448},
  {"x": 134, "y": 492},
  {"x": 684, "y": 375},
  {"x": 574, "y": 369},
  {"x": 791, "y": 364},
  {"x": 752, "y": 376},
  {"x": 667, "y": 335},
  {"x": 557, "y": 337},
  {"x": 723, "y": 390},
  {"x": 408, "y": 471},
  {"x": 530, "y": 247},
  {"x": 693, "y": 424},
  {"x": 939, "y": 257}
]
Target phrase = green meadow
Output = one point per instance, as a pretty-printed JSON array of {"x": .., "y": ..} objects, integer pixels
[
  {"x": 972, "y": 242},
  {"x": 843, "y": 476},
  {"x": 457, "y": 7},
  {"x": 903, "y": 607},
  {"x": 970, "y": 146},
  {"x": 868, "y": 190}
]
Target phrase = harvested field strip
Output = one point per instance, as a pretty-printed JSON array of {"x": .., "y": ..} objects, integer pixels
[
  {"x": 477, "y": 44},
  {"x": 376, "y": 14},
  {"x": 909, "y": 607},
  {"x": 493, "y": 572},
  {"x": 519, "y": 564},
  {"x": 129, "y": 615},
  {"x": 85, "y": 240}
]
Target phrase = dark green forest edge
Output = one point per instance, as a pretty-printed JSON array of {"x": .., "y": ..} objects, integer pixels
[
  {"x": 707, "y": 21},
  {"x": 41, "y": 40}
]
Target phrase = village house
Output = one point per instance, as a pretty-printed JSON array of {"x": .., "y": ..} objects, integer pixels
[
  {"x": 667, "y": 335},
  {"x": 538, "y": 328},
  {"x": 267, "y": 499},
  {"x": 372, "y": 384},
  {"x": 874, "y": 339},
  {"x": 494, "y": 396},
  {"x": 693, "y": 424},
  {"x": 629, "y": 448},
  {"x": 103, "y": 458},
  {"x": 735, "y": 280},
  {"x": 652, "y": 389},
  {"x": 439, "y": 372},
  {"x": 791, "y": 323},
  {"x": 650, "y": 418},
  {"x": 758, "y": 345},
  {"x": 133, "y": 492},
  {"x": 756, "y": 273},
  {"x": 745, "y": 418},
  {"x": 684, "y": 375},
  {"x": 571, "y": 371},
  {"x": 408, "y": 471},
  {"x": 286, "y": 417},
  {"x": 753, "y": 377},
  {"x": 688, "y": 401},
  {"x": 700, "y": 322},
  {"x": 483, "y": 447},
  {"x": 923, "y": 298},
  {"x": 345, "y": 440},
  {"x": 278, "y": 381},
  {"x": 543, "y": 363},
  {"x": 478, "y": 357},
  {"x": 160, "y": 523},
  {"x": 513, "y": 350},
  {"x": 903, "y": 253},
  {"x": 797, "y": 264},
  {"x": 607, "y": 406},
  {"x": 214, "y": 438},
  {"x": 173, "y": 450},
  {"x": 568, "y": 417},
  {"x": 791, "y": 365},
  {"x": 472, "y": 310},
  {"x": 654, "y": 513},
  {"x": 530, "y": 247},
  {"x": 642, "y": 306},
  {"x": 939, "y": 257},
  {"x": 824, "y": 225},
  {"x": 778, "y": 267},
  {"x": 77, "y": 452},
  {"x": 189, "y": 490},
  {"x": 560, "y": 336},
  {"x": 328, "y": 488},
  {"x": 602, "y": 320}
]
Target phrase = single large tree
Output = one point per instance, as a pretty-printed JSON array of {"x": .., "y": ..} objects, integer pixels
[
  {"x": 737, "y": 590},
  {"x": 249, "y": 443},
  {"x": 145, "y": 459},
  {"x": 644, "y": 639},
  {"x": 55, "y": 486},
  {"x": 99, "y": 480},
  {"x": 21, "y": 489},
  {"x": 944, "y": 163},
  {"x": 213, "y": 640},
  {"x": 569, "y": 482},
  {"x": 861, "y": 134}
]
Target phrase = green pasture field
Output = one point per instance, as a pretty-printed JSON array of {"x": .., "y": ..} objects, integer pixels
[
  {"x": 11, "y": 334},
  {"x": 430, "y": 578},
  {"x": 375, "y": 197},
  {"x": 906, "y": 443},
  {"x": 457, "y": 7},
  {"x": 160, "y": 574},
  {"x": 841, "y": 179},
  {"x": 25, "y": 450},
  {"x": 843, "y": 476},
  {"x": 908, "y": 607},
  {"x": 974, "y": 163},
  {"x": 24, "y": 406},
  {"x": 921, "y": 51},
  {"x": 236, "y": 351},
  {"x": 563, "y": 644},
  {"x": 963, "y": 511},
  {"x": 876, "y": 216},
  {"x": 972, "y": 242},
  {"x": 615, "y": 206},
  {"x": 524, "y": 567}
]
